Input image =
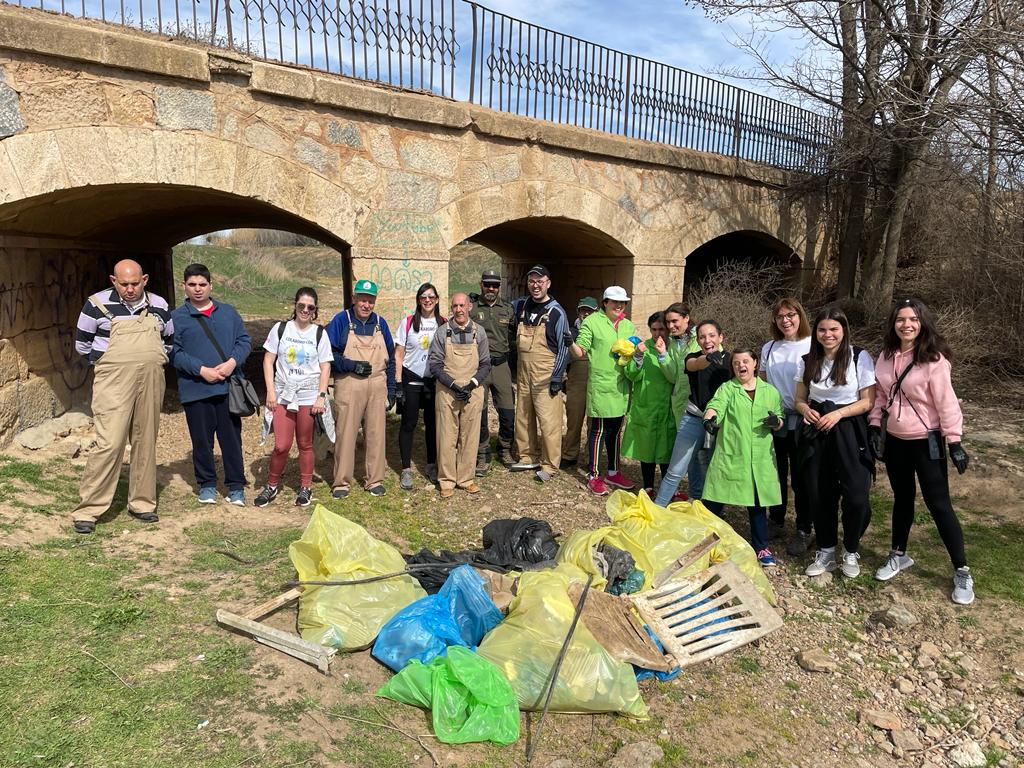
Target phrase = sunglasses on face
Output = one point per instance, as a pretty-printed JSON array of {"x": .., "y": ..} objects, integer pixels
[
  {"x": 428, "y": 297},
  {"x": 305, "y": 307}
]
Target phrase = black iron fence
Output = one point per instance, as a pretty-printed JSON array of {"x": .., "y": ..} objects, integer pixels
[{"x": 514, "y": 66}]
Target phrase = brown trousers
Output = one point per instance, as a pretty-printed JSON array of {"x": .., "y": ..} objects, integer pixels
[
  {"x": 575, "y": 407},
  {"x": 127, "y": 392},
  {"x": 361, "y": 402},
  {"x": 458, "y": 422},
  {"x": 536, "y": 409}
]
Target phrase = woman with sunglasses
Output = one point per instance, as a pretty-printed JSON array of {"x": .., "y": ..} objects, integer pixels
[
  {"x": 296, "y": 368},
  {"x": 914, "y": 398},
  {"x": 780, "y": 357},
  {"x": 415, "y": 386},
  {"x": 835, "y": 389}
]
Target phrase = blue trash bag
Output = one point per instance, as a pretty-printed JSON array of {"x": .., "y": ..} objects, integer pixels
[
  {"x": 642, "y": 673},
  {"x": 461, "y": 613}
]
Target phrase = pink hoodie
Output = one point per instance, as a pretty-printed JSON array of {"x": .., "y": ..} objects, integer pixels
[{"x": 928, "y": 387}]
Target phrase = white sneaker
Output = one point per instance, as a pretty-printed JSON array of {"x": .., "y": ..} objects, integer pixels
[
  {"x": 824, "y": 561},
  {"x": 898, "y": 561},
  {"x": 851, "y": 565},
  {"x": 963, "y": 586}
]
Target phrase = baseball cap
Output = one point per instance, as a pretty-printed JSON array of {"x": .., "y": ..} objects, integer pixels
[
  {"x": 615, "y": 293},
  {"x": 366, "y": 286},
  {"x": 490, "y": 276},
  {"x": 538, "y": 269},
  {"x": 588, "y": 302}
]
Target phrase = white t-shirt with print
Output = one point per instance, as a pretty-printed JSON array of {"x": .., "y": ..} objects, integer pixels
[
  {"x": 416, "y": 343},
  {"x": 779, "y": 361},
  {"x": 299, "y": 358},
  {"x": 820, "y": 391}
]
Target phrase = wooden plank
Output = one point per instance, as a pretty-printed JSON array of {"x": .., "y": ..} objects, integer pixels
[
  {"x": 734, "y": 613},
  {"x": 268, "y": 607},
  {"x": 615, "y": 626},
  {"x": 688, "y": 558},
  {"x": 285, "y": 642}
]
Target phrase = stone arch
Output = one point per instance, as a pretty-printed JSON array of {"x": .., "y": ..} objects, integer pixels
[{"x": 753, "y": 247}]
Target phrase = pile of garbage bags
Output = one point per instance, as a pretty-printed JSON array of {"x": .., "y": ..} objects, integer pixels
[{"x": 472, "y": 664}]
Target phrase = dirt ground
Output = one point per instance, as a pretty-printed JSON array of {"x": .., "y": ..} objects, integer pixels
[{"x": 955, "y": 676}]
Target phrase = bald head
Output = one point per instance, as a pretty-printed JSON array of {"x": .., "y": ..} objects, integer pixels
[
  {"x": 128, "y": 280},
  {"x": 461, "y": 305}
]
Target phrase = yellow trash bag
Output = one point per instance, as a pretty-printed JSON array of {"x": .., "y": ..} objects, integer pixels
[
  {"x": 656, "y": 536},
  {"x": 578, "y": 549},
  {"x": 525, "y": 645},
  {"x": 347, "y": 617}
]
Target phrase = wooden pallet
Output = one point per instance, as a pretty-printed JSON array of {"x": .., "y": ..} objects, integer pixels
[
  {"x": 614, "y": 624},
  {"x": 287, "y": 642},
  {"x": 705, "y": 615}
]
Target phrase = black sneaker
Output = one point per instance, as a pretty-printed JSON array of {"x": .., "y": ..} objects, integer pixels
[
  {"x": 304, "y": 497},
  {"x": 267, "y": 495},
  {"x": 84, "y": 526},
  {"x": 377, "y": 490},
  {"x": 567, "y": 464},
  {"x": 339, "y": 493}
]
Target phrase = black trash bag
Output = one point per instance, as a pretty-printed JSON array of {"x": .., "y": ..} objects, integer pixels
[
  {"x": 619, "y": 562},
  {"x": 525, "y": 540}
]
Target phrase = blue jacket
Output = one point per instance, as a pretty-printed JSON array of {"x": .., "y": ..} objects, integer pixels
[
  {"x": 193, "y": 350},
  {"x": 338, "y": 330}
]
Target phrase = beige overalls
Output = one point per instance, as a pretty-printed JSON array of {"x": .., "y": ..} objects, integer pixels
[
  {"x": 458, "y": 422},
  {"x": 575, "y": 406},
  {"x": 127, "y": 392},
  {"x": 534, "y": 402},
  {"x": 361, "y": 401}
]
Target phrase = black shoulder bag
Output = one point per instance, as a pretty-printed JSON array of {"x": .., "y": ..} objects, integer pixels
[
  {"x": 893, "y": 392},
  {"x": 242, "y": 398}
]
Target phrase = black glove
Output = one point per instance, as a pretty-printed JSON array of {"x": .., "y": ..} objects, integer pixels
[
  {"x": 391, "y": 401},
  {"x": 716, "y": 358},
  {"x": 959, "y": 457},
  {"x": 875, "y": 442},
  {"x": 555, "y": 387},
  {"x": 362, "y": 368},
  {"x": 711, "y": 426},
  {"x": 772, "y": 420},
  {"x": 460, "y": 393},
  {"x": 470, "y": 385},
  {"x": 400, "y": 396}
]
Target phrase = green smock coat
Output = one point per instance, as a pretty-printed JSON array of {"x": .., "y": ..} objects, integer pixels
[
  {"x": 650, "y": 426},
  {"x": 744, "y": 456},
  {"x": 607, "y": 387},
  {"x": 673, "y": 366}
]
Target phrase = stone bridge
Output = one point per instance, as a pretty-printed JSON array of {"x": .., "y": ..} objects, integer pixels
[{"x": 114, "y": 142}]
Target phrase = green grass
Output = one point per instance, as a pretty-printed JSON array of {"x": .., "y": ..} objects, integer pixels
[
  {"x": 468, "y": 260},
  {"x": 50, "y": 483}
]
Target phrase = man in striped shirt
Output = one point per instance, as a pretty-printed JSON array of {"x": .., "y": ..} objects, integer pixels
[{"x": 126, "y": 334}]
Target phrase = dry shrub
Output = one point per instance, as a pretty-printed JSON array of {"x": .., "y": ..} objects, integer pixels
[
  {"x": 266, "y": 238},
  {"x": 739, "y": 297}
]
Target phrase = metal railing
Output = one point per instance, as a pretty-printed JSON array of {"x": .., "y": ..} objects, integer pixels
[
  {"x": 514, "y": 66},
  {"x": 519, "y": 67}
]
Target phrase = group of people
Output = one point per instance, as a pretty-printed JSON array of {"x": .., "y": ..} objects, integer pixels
[{"x": 810, "y": 412}]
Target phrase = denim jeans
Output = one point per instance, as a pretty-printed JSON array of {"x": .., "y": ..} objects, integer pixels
[{"x": 689, "y": 438}]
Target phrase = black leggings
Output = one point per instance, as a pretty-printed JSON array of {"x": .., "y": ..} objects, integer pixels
[
  {"x": 785, "y": 452},
  {"x": 647, "y": 472},
  {"x": 604, "y": 429},
  {"x": 903, "y": 460},
  {"x": 419, "y": 393}
]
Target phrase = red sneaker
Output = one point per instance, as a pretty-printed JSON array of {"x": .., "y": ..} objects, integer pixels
[
  {"x": 619, "y": 480},
  {"x": 680, "y": 496},
  {"x": 597, "y": 486}
]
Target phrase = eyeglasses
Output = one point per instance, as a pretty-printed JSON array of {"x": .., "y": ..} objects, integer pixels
[
  {"x": 305, "y": 307},
  {"x": 428, "y": 297},
  {"x": 787, "y": 316},
  {"x": 537, "y": 281}
]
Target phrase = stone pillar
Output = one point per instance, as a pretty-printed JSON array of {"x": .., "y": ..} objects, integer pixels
[{"x": 655, "y": 286}]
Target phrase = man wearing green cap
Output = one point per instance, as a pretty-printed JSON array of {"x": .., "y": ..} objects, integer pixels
[
  {"x": 364, "y": 388},
  {"x": 576, "y": 390},
  {"x": 494, "y": 314}
]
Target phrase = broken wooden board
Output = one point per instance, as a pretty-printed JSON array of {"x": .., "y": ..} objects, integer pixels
[
  {"x": 613, "y": 623},
  {"x": 705, "y": 615},
  {"x": 685, "y": 560},
  {"x": 287, "y": 642}
]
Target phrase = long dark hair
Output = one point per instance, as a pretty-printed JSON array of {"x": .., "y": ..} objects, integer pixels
[
  {"x": 306, "y": 291},
  {"x": 816, "y": 357},
  {"x": 437, "y": 306},
  {"x": 929, "y": 343}
]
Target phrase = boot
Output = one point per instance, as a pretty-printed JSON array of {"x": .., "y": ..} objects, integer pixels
[
  {"x": 505, "y": 454},
  {"x": 483, "y": 462}
]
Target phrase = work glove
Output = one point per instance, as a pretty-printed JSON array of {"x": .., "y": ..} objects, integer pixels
[
  {"x": 400, "y": 396},
  {"x": 555, "y": 387},
  {"x": 460, "y": 393},
  {"x": 959, "y": 457},
  {"x": 716, "y": 358},
  {"x": 392, "y": 398},
  {"x": 362, "y": 368},
  {"x": 875, "y": 442},
  {"x": 711, "y": 426},
  {"x": 772, "y": 420},
  {"x": 470, "y": 385}
]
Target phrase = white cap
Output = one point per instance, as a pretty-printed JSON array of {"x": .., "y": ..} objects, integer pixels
[{"x": 615, "y": 293}]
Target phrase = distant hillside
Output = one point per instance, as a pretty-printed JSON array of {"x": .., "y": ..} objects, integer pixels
[{"x": 468, "y": 260}]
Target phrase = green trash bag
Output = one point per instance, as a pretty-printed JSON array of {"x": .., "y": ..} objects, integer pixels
[
  {"x": 469, "y": 698},
  {"x": 347, "y": 617}
]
